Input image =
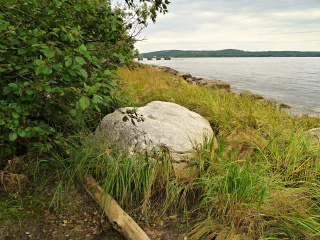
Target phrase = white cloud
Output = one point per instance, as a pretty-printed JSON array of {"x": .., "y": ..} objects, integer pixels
[{"x": 242, "y": 24}]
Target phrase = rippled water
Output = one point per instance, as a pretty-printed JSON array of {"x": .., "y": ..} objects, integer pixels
[{"x": 294, "y": 81}]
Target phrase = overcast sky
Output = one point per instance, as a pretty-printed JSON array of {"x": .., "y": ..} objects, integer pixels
[{"x": 251, "y": 25}]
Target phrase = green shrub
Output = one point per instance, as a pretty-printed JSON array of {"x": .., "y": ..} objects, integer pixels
[{"x": 57, "y": 59}]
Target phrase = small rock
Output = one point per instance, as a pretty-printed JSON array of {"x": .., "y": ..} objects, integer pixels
[
  {"x": 283, "y": 105},
  {"x": 186, "y": 76},
  {"x": 213, "y": 84},
  {"x": 251, "y": 95},
  {"x": 268, "y": 101},
  {"x": 314, "y": 133}
]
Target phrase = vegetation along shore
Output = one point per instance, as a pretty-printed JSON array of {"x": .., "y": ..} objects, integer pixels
[{"x": 261, "y": 182}]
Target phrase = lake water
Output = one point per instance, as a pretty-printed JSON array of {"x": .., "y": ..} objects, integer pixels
[{"x": 294, "y": 81}]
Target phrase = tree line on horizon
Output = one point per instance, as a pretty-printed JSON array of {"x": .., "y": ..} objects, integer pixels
[{"x": 229, "y": 53}]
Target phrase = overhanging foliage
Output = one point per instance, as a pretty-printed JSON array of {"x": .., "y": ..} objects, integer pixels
[{"x": 57, "y": 58}]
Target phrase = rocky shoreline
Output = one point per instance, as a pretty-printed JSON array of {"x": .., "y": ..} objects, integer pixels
[
  {"x": 208, "y": 83},
  {"x": 218, "y": 84}
]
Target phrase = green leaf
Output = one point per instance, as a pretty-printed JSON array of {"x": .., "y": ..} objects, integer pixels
[
  {"x": 37, "y": 129},
  {"x": 39, "y": 70},
  {"x": 73, "y": 112},
  {"x": 80, "y": 60},
  {"x": 2, "y": 122},
  {"x": 49, "y": 52},
  {"x": 82, "y": 49},
  {"x": 32, "y": 41},
  {"x": 15, "y": 122},
  {"x": 38, "y": 45},
  {"x": 77, "y": 67},
  {"x": 15, "y": 115},
  {"x": 57, "y": 67},
  {"x": 68, "y": 62},
  {"x": 83, "y": 73},
  {"x": 22, "y": 51},
  {"x": 93, "y": 90},
  {"x": 29, "y": 92},
  {"x": 46, "y": 70},
  {"x": 84, "y": 102},
  {"x": 25, "y": 70},
  {"x": 3, "y": 27},
  {"x": 13, "y": 136},
  {"x": 107, "y": 73},
  {"x": 22, "y": 132},
  {"x": 7, "y": 90},
  {"x": 13, "y": 85},
  {"x": 47, "y": 89}
]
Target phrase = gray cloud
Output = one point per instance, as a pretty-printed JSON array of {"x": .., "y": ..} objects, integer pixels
[{"x": 251, "y": 25}]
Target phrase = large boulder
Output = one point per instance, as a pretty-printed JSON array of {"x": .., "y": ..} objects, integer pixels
[{"x": 166, "y": 125}]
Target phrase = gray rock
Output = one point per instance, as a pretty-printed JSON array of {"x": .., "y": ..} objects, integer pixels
[
  {"x": 283, "y": 105},
  {"x": 186, "y": 75},
  {"x": 166, "y": 125},
  {"x": 251, "y": 95},
  {"x": 314, "y": 133},
  {"x": 213, "y": 83},
  {"x": 268, "y": 101}
]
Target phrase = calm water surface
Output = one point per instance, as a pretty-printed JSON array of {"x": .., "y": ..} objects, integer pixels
[{"x": 295, "y": 81}]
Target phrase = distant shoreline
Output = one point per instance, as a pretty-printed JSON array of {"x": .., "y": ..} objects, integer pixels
[{"x": 228, "y": 53}]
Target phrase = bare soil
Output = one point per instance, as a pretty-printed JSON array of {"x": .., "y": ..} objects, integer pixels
[{"x": 79, "y": 217}]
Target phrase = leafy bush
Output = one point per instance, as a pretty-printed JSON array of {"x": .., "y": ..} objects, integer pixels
[{"x": 57, "y": 58}]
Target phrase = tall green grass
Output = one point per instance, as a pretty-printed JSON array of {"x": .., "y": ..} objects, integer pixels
[{"x": 260, "y": 182}]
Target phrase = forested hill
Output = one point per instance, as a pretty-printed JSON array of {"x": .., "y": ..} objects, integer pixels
[{"x": 229, "y": 53}]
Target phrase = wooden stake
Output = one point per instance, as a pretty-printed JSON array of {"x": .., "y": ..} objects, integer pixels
[{"x": 119, "y": 219}]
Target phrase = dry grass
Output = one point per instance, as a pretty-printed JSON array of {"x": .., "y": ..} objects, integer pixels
[{"x": 263, "y": 180}]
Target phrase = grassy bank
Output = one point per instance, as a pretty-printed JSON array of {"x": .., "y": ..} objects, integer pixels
[{"x": 262, "y": 182}]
